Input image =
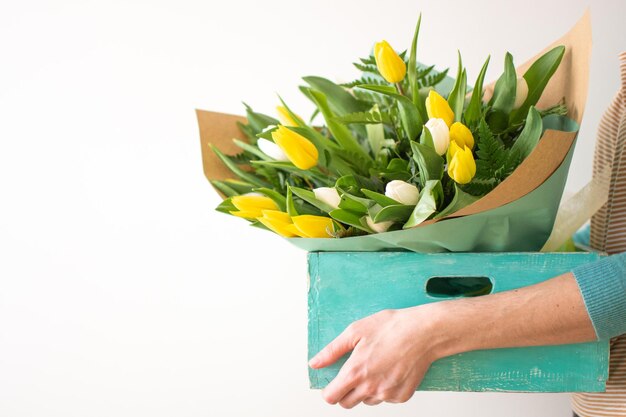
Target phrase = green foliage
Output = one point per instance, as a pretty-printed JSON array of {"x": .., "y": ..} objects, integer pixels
[
  {"x": 473, "y": 112},
  {"x": 371, "y": 132},
  {"x": 456, "y": 99},
  {"x": 537, "y": 77},
  {"x": 372, "y": 116},
  {"x": 491, "y": 158},
  {"x": 505, "y": 89}
]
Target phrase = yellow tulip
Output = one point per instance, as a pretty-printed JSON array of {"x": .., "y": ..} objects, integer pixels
[
  {"x": 286, "y": 119},
  {"x": 313, "y": 226},
  {"x": 300, "y": 151},
  {"x": 461, "y": 165},
  {"x": 278, "y": 222},
  {"x": 389, "y": 63},
  {"x": 460, "y": 134},
  {"x": 438, "y": 107},
  {"x": 252, "y": 206}
]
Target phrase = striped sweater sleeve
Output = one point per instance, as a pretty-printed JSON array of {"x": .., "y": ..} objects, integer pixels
[{"x": 603, "y": 288}]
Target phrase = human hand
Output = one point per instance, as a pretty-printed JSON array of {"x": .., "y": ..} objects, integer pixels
[{"x": 391, "y": 352}]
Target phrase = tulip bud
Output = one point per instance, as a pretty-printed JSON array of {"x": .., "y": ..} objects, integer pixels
[
  {"x": 389, "y": 63},
  {"x": 402, "y": 192},
  {"x": 271, "y": 149},
  {"x": 300, "y": 151},
  {"x": 327, "y": 195},
  {"x": 461, "y": 165},
  {"x": 309, "y": 225},
  {"x": 437, "y": 107},
  {"x": 286, "y": 119},
  {"x": 378, "y": 227},
  {"x": 251, "y": 206},
  {"x": 440, "y": 134},
  {"x": 521, "y": 92},
  {"x": 278, "y": 222},
  {"x": 460, "y": 134}
]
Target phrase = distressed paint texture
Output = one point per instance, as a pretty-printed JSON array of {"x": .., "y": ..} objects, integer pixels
[{"x": 347, "y": 286}]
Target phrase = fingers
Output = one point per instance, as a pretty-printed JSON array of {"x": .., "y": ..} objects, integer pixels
[
  {"x": 342, "y": 344},
  {"x": 343, "y": 383},
  {"x": 372, "y": 401},
  {"x": 352, "y": 399}
]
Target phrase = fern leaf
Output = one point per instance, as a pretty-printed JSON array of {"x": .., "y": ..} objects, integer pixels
[
  {"x": 368, "y": 117},
  {"x": 366, "y": 68},
  {"x": 365, "y": 80},
  {"x": 491, "y": 153},
  {"x": 479, "y": 187},
  {"x": 433, "y": 79}
]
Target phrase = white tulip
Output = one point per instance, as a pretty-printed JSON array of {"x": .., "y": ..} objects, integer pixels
[
  {"x": 327, "y": 195},
  {"x": 378, "y": 227},
  {"x": 521, "y": 92},
  {"x": 271, "y": 149},
  {"x": 440, "y": 133},
  {"x": 402, "y": 192}
]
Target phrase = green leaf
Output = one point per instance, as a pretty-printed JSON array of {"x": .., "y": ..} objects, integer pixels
[
  {"x": 376, "y": 137},
  {"x": 225, "y": 189},
  {"x": 427, "y": 204},
  {"x": 247, "y": 130},
  {"x": 309, "y": 197},
  {"x": 348, "y": 184},
  {"x": 226, "y": 206},
  {"x": 396, "y": 213},
  {"x": 412, "y": 73},
  {"x": 258, "y": 121},
  {"x": 397, "y": 169},
  {"x": 373, "y": 116},
  {"x": 312, "y": 173},
  {"x": 355, "y": 160},
  {"x": 340, "y": 101},
  {"x": 460, "y": 200},
  {"x": 491, "y": 154},
  {"x": 456, "y": 99},
  {"x": 474, "y": 108},
  {"x": 528, "y": 139},
  {"x": 235, "y": 186},
  {"x": 289, "y": 203},
  {"x": 351, "y": 219},
  {"x": 426, "y": 138},
  {"x": 296, "y": 206},
  {"x": 339, "y": 131},
  {"x": 398, "y": 165},
  {"x": 274, "y": 195},
  {"x": 409, "y": 115},
  {"x": 430, "y": 164},
  {"x": 379, "y": 198},
  {"x": 248, "y": 177},
  {"x": 252, "y": 149},
  {"x": 537, "y": 77},
  {"x": 355, "y": 204},
  {"x": 504, "y": 91},
  {"x": 352, "y": 184}
]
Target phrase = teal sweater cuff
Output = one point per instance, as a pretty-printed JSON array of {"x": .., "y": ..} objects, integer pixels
[{"x": 603, "y": 288}]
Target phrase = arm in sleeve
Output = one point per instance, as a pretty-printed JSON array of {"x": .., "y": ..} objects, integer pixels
[{"x": 603, "y": 288}]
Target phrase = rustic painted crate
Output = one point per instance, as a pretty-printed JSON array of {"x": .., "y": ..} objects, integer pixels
[{"x": 347, "y": 286}]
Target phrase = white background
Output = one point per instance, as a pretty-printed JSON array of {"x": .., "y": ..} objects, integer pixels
[{"x": 122, "y": 293}]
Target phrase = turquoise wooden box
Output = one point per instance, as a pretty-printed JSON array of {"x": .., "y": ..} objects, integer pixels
[{"x": 347, "y": 286}]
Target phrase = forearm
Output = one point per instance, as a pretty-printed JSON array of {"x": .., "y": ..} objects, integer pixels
[{"x": 551, "y": 312}]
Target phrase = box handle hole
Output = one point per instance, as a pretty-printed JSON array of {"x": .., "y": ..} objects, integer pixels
[{"x": 448, "y": 287}]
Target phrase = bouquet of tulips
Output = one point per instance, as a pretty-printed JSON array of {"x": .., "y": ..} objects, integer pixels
[{"x": 401, "y": 148}]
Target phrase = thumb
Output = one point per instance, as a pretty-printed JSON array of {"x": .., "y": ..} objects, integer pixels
[{"x": 342, "y": 344}]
